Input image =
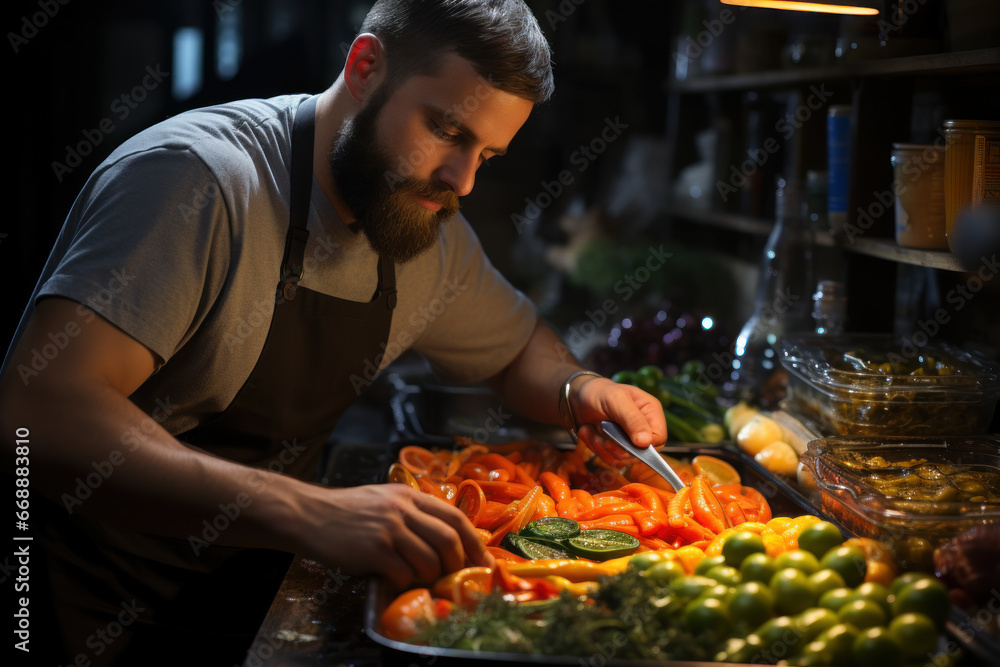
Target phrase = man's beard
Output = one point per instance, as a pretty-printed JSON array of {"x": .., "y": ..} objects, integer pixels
[{"x": 382, "y": 201}]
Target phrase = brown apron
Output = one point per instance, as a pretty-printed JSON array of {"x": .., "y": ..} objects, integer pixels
[{"x": 120, "y": 608}]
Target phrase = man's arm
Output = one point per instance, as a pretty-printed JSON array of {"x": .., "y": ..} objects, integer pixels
[
  {"x": 531, "y": 385},
  {"x": 77, "y": 410}
]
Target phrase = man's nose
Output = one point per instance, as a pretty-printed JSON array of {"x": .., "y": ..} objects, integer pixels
[{"x": 459, "y": 172}]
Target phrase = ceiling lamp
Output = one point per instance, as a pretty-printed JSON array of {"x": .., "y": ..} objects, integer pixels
[{"x": 855, "y": 7}]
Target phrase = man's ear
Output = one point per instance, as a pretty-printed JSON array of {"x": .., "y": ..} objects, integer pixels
[{"x": 366, "y": 67}]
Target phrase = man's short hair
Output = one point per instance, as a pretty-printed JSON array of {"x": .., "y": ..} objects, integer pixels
[{"x": 501, "y": 38}]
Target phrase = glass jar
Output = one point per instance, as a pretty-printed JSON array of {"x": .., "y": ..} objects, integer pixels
[
  {"x": 918, "y": 173},
  {"x": 959, "y": 164}
]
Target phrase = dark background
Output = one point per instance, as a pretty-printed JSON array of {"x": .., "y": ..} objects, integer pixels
[{"x": 65, "y": 76}]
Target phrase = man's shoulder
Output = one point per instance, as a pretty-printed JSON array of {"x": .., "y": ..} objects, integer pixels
[{"x": 230, "y": 137}]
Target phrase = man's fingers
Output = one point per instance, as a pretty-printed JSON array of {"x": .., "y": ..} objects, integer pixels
[
  {"x": 469, "y": 540},
  {"x": 441, "y": 539}
]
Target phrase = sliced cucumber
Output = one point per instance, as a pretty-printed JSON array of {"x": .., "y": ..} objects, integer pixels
[
  {"x": 552, "y": 528},
  {"x": 602, "y": 544}
]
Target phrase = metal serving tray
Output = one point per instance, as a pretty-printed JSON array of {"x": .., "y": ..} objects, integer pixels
[{"x": 785, "y": 500}]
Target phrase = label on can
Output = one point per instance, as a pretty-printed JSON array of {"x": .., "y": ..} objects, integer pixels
[{"x": 986, "y": 170}]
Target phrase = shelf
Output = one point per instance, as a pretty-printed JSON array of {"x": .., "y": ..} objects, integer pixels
[
  {"x": 881, "y": 248},
  {"x": 966, "y": 62}
]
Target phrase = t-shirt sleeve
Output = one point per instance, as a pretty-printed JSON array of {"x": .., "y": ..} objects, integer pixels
[
  {"x": 479, "y": 322},
  {"x": 148, "y": 247}
]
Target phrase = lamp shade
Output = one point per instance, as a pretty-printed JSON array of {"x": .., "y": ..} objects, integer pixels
[{"x": 854, "y": 7}]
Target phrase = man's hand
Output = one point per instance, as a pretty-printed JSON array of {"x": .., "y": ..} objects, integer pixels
[
  {"x": 598, "y": 399},
  {"x": 390, "y": 530}
]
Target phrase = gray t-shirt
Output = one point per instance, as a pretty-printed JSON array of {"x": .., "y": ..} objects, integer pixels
[{"x": 177, "y": 238}]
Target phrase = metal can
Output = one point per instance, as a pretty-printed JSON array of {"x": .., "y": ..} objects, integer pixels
[
  {"x": 959, "y": 165},
  {"x": 838, "y": 162}
]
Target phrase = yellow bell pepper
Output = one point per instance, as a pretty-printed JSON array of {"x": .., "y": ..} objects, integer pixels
[{"x": 575, "y": 571}]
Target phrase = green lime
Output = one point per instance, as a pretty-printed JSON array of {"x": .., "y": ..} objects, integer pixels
[
  {"x": 725, "y": 574},
  {"x": 839, "y": 640},
  {"x": 812, "y": 622},
  {"x": 848, "y": 561},
  {"x": 602, "y": 544},
  {"x": 552, "y": 528},
  {"x": 645, "y": 560},
  {"x": 740, "y": 545},
  {"x": 691, "y": 586},
  {"x": 826, "y": 580},
  {"x": 799, "y": 559},
  {"x": 778, "y": 636},
  {"x": 875, "y": 647},
  {"x": 792, "y": 591},
  {"x": 665, "y": 571},
  {"x": 924, "y": 596},
  {"x": 648, "y": 378},
  {"x": 876, "y": 592},
  {"x": 758, "y": 567},
  {"x": 907, "y": 578},
  {"x": 624, "y": 377},
  {"x": 719, "y": 591},
  {"x": 750, "y": 603},
  {"x": 862, "y": 614},
  {"x": 915, "y": 633},
  {"x": 819, "y": 538},
  {"x": 836, "y": 598},
  {"x": 706, "y": 564},
  {"x": 815, "y": 654},
  {"x": 706, "y": 613}
]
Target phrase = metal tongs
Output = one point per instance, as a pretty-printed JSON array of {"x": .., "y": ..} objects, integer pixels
[{"x": 647, "y": 455}]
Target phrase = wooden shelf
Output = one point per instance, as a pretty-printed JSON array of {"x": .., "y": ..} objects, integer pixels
[
  {"x": 937, "y": 64},
  {"x": 886, "y": 249}
]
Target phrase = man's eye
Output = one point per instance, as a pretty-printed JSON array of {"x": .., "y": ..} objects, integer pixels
[{"x": 443, "y": 134}]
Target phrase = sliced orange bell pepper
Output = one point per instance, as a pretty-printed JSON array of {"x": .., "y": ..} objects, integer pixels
[{"x": 525, "y": 510}]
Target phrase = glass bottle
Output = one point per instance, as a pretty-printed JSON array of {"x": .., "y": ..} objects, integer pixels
[
  {"x": 829, "y": 308},
  {"x": 782, "y": 304}
]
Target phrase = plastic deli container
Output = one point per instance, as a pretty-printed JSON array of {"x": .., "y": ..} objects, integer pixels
[
  {"x": 961, "y": 137},
  {"x": 918, "y": 171},
  {"x": 879, "y": 385},
  {"x": 912, "y": 494}
]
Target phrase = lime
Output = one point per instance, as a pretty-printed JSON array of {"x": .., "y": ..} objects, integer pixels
[
  {"x": 862, "y": 614},
  {"x": 647, "y": 378},
  {"x": 907, "y": 578},
  {"x": 799, "y": 559},
  {"x": 875, "y": 592},
  {"x": 758, "y": 567},
  {"x": 665, "y": 571},
  {"x": 691, "y": 586},
  {"x": 740, "y": 545},
  {"x": 792, "y": 592},
  {"x": 925, "y": 596},
  {"x": 624, "y": 377},
  {"x": 706, "y": 613},
  {"x": 602, "y": 544},
  {"x": 836, "y": 598},
  {"x": 848, "y": 561},
  {"x": 750, "y": 603},
  {"x": 645, "y": 560},
  {"x": 815, "y": 654},
  {"x": 812, "y": 622},
  {"x": 720, "y": 592},
  {"x": 725, "y": 574},
  {"x": 706, "y": 564},
  {"x": 819, "y": 538},
  {"x": 552, "y": 528},
  {"x": 915, "y": 633},
  {"x": 839, "y": 640},
  {"x": 825, "y": 580},
  {"x": 875, "y": 647},
  {"x": 778, "y": 635}
]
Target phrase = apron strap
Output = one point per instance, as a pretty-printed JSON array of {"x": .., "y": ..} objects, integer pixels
[{"x": 301, "y": 176}]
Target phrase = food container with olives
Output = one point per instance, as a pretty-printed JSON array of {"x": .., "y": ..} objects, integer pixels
[
  {"x": 913, "y": 493},
  {"x": 880, "y": 385}
]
